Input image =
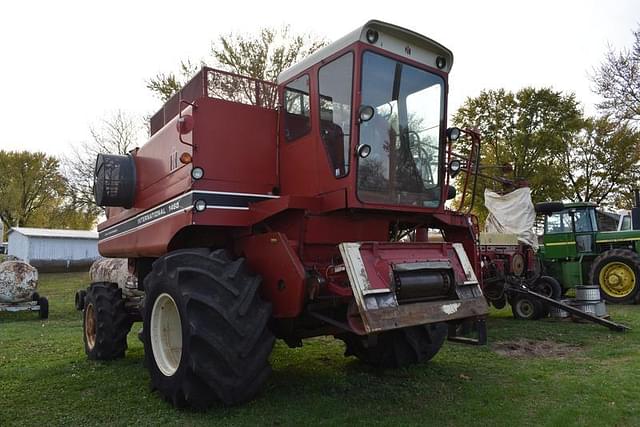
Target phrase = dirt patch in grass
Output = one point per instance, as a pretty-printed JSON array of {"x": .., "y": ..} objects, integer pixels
[{"x": 531, "y": 348}]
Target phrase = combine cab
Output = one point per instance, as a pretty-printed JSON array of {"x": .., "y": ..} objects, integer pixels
[{"x": 259, "y": 211}]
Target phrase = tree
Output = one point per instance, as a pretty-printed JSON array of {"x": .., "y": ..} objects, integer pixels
[
  {"x": 529, "y": 130},
  {"x": 164, "y": 85},
  {"x": 600, "y": 162},
  {"x": 617, "y": 81},
  {"x": 30, "y": 181},
  {"x": 118, "y": 134},
  {"x": 33, "y": 193},
  {"x": 263, "y": 56}
]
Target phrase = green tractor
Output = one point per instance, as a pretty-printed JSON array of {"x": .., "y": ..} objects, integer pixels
[{"x": 576, "y": 252}]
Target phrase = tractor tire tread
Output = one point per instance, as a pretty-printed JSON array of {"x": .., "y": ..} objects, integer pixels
[
  {"x": 44, "y": 307},
  {"x": 228, "y": 343},
  {"x": 629, "y": 255},
  {"x": 113, "y": 323},
  {"x": 399, "y": 347}
]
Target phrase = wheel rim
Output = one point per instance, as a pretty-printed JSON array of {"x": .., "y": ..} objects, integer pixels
[
  {"x": 166, "y": 334},
  {"x": 90, "y": 326},
  {"x": 617, "y": 279},
  {"x": 525, "y": 308}
]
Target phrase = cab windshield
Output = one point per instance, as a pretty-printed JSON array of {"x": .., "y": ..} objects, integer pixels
[{"x": 404, "y": 133}]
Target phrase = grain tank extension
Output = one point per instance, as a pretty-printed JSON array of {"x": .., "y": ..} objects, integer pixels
[{"x": 259, "y": 211}]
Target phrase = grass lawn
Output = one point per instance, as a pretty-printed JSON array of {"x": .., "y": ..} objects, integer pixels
[{"x": 45, "y": 379}]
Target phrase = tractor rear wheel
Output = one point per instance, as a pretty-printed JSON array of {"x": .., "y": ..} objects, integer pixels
[
  {"x": 105, "y": 322},
  {"x": 617, "y": 273},
  {"x": 205, "y": 329},
  {"x": 399, "y": 347}
]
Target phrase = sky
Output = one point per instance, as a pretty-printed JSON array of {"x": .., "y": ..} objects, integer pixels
[{"x": 65, "y": 66}]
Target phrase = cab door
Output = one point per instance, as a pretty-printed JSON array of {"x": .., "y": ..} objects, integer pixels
[
  {"x": 559, "y": 242},
  {"x": 298, "y": 165},
  {"x": 585, "y": 227}
]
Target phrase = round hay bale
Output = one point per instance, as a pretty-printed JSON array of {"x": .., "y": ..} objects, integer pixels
[{"x": 18, "y": 281}]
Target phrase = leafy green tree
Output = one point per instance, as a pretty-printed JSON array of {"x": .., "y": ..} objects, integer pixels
[
  {"x": 164, "y": 85},
  {"x": 601, "y": 162},
  {"x": 30, "y": 181},
  {"x": 617, "y": 81},
  {"x": 262, "y": 55},
  {"x": 528, "y": 130},
  {"x": 33, "y": 193}
]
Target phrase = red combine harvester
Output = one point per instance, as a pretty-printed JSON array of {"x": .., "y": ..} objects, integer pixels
[{"x": 293, "y": 210}]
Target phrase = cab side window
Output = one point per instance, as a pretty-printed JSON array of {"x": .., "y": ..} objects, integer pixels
[
  {"x": 559, "y": 222},
  {"x": 297, "y": 117},
  {"x": 334, "y": 85}
]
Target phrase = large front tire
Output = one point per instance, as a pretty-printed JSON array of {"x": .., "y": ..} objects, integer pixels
[
  {"x": 205, "y": 329},
  {"x": 399, "y": 347},
  {"x": 617, "y": 273},
  {"x": 105, "y": 322}
]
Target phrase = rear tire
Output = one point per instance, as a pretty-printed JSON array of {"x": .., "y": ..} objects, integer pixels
[
  {"x": 105, "y": 322},
  {"x": 205, "y": 329},
  {"x": 527, "y": 308},
  {"x": 44, "y": 307},
  {"x": 399, "y": 347},
  {"x": 548, "y": 286},
  {"x": 79, "y": 299},
  {"x": 617, "y": 273}
]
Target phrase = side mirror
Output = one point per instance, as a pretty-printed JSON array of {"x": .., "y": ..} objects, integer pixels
[{"x": 365, "y": 113}]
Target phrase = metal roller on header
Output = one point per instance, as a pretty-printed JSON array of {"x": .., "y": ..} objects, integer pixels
[{"x": 291, "y": 210}]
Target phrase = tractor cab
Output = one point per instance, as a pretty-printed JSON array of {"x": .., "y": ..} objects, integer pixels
[
  {"x": 571, "y": 231},
  {"x": 569, "y": 237},
  {"x": 369, "y": 109}
]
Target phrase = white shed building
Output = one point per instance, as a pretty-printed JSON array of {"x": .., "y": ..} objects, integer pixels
[{"x": 54, "y": 250}]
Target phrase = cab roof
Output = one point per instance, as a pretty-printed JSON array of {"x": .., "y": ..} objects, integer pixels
[
  {"x": 389, "y": 33},
  {"x": 580, "y": 205}
]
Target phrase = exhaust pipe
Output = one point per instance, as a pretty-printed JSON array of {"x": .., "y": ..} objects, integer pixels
[{"x": 635, "y": 211}]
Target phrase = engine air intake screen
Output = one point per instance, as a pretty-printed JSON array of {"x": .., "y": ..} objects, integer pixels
[{"x": 114, "y": 180}]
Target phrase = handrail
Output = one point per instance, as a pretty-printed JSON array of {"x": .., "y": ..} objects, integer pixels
[{"x": 213, "y": 83}]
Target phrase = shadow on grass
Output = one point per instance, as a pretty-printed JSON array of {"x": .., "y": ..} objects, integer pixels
[{"x": 6, "y": 317}]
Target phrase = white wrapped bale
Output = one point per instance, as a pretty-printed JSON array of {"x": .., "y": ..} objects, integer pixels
[
  {"x": 115, "y": 270},
  {"x": 512, "y": 213},
  {"x": 18, "y": 281}
]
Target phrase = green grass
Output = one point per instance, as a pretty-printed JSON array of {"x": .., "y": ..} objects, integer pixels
[{"x": 45, "y": 379}]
